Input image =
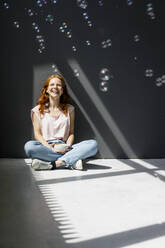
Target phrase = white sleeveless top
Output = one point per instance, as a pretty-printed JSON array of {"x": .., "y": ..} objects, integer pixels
[{"x": 54, "y": 127}]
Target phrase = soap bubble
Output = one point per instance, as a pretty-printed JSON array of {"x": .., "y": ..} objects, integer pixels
[
  {"x": 76, "y": 73},
  {"x": 69, "y": 34},
  {"x": 105, "y": 74},
  {"x": 40, "y": 39},
  {"x": 104, "y": 86},
  {"x": 106, "y": 43},
  {"x": 159, "y": 79},
  {"x": 61, "y": 29},
  {"x": 89, "y": 23},
  {"x": 85, "y": 15},
  {"x": 100, "y": 3},
  {"x": 35, "y": 27},
  {"x": 40, "y": 50},
  {"x": 149, "y": 73},
  {"x": 88, "y": 43},
  {"x": 159, "y": 82},
  {"x": 49, "y": 19},
  {"x": 6, "y": 5},
  {"x": 44, "y": 1},
  {"x": 74, "y": 49},
  {"x": 16, "y": 24},
  {"x": 103, "y": 44},
  {"x": 42, "y": 46},
  {"x": 152, "y": 15},
  {"x": 54, "y": 67},
  {"x": 53, "y": 1},
  {"x": 30, "y": 12},
  {"x": 39, "y": 3},
  {"x": 129, "y": 2},
  {"x": 82, "y": 4},
  {"x": 109, "y": 42},
  {"x": 136, "y": 38},
  {"x": 64, "y": 25}
]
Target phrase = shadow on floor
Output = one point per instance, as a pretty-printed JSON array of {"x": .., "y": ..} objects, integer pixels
[
  {"x": 88, "y": 166},
  {"x": 27, "y": 222},
  {"x": 126, "y": 238}
]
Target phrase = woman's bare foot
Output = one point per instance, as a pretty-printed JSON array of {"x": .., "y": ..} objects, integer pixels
[{"x": 60, "y": 163}]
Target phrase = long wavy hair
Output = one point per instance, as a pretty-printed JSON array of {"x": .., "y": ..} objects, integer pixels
[{"x": 43, "y": 100}]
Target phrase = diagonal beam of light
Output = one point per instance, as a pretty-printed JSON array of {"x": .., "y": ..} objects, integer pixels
[
  {"x": 102, "y": 109},
  {"x": 95, "y": 130}
]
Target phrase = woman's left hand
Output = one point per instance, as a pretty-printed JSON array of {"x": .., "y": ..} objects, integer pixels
[{"x": 67, "y": 149}]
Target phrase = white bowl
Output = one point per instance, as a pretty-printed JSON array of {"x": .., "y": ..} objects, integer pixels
[{"x": 60, "y": 147}]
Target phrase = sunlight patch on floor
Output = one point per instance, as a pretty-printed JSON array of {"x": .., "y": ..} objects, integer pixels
[{"x": 101, "y": 205}]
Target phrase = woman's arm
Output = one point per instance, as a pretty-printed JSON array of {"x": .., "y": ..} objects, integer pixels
[
  {"x": 70, "y": 139},
  {"x": 37, "y": 131}
]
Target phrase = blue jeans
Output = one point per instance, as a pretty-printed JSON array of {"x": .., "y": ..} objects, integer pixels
[{"x": 82, "y": 150}]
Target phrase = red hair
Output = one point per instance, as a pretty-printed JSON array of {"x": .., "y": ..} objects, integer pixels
[{"x": 43, "y": 100}]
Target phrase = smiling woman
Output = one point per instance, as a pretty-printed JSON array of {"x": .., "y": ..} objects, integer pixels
[{"x": 53, "y": 122}]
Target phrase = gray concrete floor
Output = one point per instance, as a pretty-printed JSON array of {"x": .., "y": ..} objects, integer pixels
[{"x": 112, "y": 203}]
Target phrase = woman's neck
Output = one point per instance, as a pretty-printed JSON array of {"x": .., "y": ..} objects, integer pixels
[{"x": 54, "y": 103}]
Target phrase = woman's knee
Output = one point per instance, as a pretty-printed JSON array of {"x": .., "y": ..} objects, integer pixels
[
  {"x": 93, "y": 144},
  {"x": 28, "y": 147}
]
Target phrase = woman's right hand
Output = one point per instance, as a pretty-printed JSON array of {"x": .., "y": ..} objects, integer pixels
[{"x": 60, "y": 151}]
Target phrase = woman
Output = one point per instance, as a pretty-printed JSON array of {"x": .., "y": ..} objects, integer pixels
[{"x": 53, "y": 124}]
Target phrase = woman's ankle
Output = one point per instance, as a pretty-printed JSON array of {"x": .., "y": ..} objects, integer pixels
[{"x": 60, "y": 163}]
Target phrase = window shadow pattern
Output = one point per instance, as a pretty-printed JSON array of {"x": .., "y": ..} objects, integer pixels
[{"x": 121, "y": 239}]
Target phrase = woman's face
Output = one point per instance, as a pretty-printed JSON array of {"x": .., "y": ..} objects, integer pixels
[{"x": 55, "y": 88}]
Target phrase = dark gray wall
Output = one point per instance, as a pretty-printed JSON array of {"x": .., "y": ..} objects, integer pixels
[
  {"x": 16, "y": 81},
  {"x": 128, "y": 120}
]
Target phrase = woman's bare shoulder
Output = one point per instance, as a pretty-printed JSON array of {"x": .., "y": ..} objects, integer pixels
[
  {"x": 35, "y": 108},
  {"x": 36, "y": 111},
  {"x": 70, "y": 108}
]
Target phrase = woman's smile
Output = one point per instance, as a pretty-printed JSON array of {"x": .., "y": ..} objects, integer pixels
[{"x": 54, "y": 91}]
